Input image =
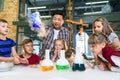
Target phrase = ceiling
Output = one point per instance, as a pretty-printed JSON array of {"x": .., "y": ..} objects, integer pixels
[
  {"x": 110, "y": 8},
  {"x": 81, "y": 9},
  {"x": 79, "y": 6}
]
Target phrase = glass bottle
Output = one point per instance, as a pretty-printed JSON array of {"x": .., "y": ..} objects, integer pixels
[
  {"x": 47, "y": 64},
  {"x": 62, "y": 63}
]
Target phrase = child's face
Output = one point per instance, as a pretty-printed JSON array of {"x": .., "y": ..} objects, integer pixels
[
  {"x": 3, "y": 28},
  {"x": 59, "y": 45},
  {"x": 98, "y": 27},
  {"x": 28, "y": 48},
  {"x": 96, "y": 48},
  {"x": 72, "y": 57}
]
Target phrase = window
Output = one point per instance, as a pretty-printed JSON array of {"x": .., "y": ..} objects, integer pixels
[{"x": 1, "y": 5}]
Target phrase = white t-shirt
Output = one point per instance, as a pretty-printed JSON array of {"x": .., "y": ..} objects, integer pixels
[{"x": 56, "y": 32}]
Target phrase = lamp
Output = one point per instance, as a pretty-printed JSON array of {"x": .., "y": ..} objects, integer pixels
[
  {"x": 88, "y": 13},
  {"x": 41, "y": 7},
  {"x": 98, "y": 2}
]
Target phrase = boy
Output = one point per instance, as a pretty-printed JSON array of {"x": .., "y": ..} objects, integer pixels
[
  {"x": 28, "y": 58},
  {"x": 7, "y": 45}
]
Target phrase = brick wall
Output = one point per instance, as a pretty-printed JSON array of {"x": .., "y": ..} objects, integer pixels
[{"x": 10, "y": 13}]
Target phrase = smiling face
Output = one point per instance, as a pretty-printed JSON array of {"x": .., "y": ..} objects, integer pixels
[
  {"x": 3, "y": 28},
  {"x": 98, "y": 27},
  {"x": 59, "y": 45},
  {"x": 58, "y": 21}
]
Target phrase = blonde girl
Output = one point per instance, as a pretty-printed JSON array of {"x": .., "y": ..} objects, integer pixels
[
  {"x": 59, "y": 44},
  {"x": 102, "y": 25},
  {"x": 106, "y": 54}
]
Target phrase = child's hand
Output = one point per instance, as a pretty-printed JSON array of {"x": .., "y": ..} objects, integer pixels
[
  {"x": 16, "y": 60},
  {"x": 102, "y": 66},
  {"x": 24, "y": 61},
  {"x": 56, "y": 54}
]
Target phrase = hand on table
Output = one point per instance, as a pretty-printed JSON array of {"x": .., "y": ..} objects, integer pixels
[{"x": 24, "y": 61}]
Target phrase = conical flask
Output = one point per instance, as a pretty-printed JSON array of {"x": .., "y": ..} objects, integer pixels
[
  {"x": 47, "y": 64},
  {"x": 79, "y": 61},
  {"x": 62, "y": 63}
]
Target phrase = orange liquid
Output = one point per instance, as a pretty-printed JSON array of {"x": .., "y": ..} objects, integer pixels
[{"x": 46, "y": 68}]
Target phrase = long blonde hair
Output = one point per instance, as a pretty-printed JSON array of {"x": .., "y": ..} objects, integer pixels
[
  {"x": 65, "y": 47},
  {"x": 107, "y": 29},
  {"x": 97, "y": 38}
]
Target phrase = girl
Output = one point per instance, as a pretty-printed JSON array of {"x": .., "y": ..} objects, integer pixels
[
  {"x": 107, "y": 55},
  {"x": 28, "y": 58},
  {"x": 59, "y": 44},
  {"x": 102, "y": 25}
]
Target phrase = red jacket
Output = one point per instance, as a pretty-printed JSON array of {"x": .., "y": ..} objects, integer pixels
[{"x": 107, "y": 52}]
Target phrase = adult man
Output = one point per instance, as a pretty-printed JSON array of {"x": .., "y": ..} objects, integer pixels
[{"x": 55, "y": 31}]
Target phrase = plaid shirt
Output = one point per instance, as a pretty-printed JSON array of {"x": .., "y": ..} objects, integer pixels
[{"x": 47, "y": 41}]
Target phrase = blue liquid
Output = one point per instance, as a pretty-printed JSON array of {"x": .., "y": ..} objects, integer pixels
[{"x": 79, "y": 67}]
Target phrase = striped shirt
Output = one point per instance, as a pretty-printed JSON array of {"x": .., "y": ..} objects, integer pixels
[{"x": 6, "y": 46}]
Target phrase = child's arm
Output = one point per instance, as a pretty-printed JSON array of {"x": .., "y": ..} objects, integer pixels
[
  {"x": 54, "y": 57},
  {"x": 56, "y": 53},
  {"x": 6, "y": 59},
  {"x": 116, "y": 41},
  {"x": 14, "y": 53},
  {"x": 103, "y": 65},
  {"x": 15, "y": 56}
]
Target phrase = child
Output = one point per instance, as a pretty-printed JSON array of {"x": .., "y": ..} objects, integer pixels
[
  {"x": 104, "y": 52},
  {"x": 28, "y": 58},
  {"x": 102, "y": 25},
  {"x": 70, "y": 55},
  {"x": 7, "y": 45},
  {"x": 59, "y": 44}
]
